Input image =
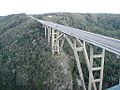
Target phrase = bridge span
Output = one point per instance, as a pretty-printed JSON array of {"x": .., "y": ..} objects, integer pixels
[{"x": 77, "y": 39}]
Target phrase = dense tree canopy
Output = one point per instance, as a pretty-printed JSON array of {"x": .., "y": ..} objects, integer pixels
[
  {"x": 26, "y": 62},
  {"x": 105, "y": 24}
]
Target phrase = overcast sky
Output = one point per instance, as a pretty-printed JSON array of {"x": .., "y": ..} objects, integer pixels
[{"x": 47, "y": 6}]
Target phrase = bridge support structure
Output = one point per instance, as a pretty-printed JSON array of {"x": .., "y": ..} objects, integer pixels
[
  {"x": 57, "y": 38},
  {"x": 99, "y": 67}
]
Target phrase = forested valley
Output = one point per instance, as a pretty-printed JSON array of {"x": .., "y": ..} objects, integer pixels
[{"x": 26, "y": 62}]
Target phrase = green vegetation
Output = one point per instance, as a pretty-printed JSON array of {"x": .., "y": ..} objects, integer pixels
[
  {"x": 26, "y": 62},
  {"x": 105, "y": 24}
]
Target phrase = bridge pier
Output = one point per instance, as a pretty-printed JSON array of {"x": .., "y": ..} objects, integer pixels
[
  {"x": 49, "y": 34},
  {"x": 55, "y": 42},
  {"x": 57, "y": 38},
  {"x": 77, "y": 49},
  {"x": 96, "y": 68}
]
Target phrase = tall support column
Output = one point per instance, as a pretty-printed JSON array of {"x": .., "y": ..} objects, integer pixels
[
  {"x": 88, "y": 65},
  {"x": 102, "y": 68},
  {"x": 49, "y": 34},
  {"x": 96, "y": 68},
  {"x": 77, "y": 49},
  {"x": 55, "y": 42},
  {"x": 78, "y": 63},
  {"x": 61, "y": 40},
  {"x": 45, "y": 31},
  {"x": 62, "y": 43}
]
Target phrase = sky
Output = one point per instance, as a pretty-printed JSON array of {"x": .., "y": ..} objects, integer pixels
[{"x": 48, "y": 6}]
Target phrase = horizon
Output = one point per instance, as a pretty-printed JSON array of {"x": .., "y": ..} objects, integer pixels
[
  {"x": 8, "y": 7},
  {"x": 59, "y": 12}
]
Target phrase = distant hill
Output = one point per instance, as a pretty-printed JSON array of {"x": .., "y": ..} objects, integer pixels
[
  {"x": 1, "y": 18},
  {"x": 106, "y": 24}
]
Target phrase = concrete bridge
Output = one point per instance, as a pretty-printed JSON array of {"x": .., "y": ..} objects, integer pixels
[{"x": 77, "y": 39}]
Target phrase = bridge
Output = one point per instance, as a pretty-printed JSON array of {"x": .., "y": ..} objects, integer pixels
[{"x": 56, "y": 34}]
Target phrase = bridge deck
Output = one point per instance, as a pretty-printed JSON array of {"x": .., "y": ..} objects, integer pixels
[{"x": 108, "y": 43}]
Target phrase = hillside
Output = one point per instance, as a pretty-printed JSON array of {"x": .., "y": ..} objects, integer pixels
[
  {"x": 104, "y": 24},
  {"x": 26, "y": 62},
  {"x": 1, "y": 18}
]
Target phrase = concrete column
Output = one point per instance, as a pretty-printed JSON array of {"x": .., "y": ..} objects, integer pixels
[
  {"x": 77, "y": 49},
  {"x": 45, "y": 31},
  {"x": 49, "y": 34},
  {"x": 55, "y": 42},
  {"x": 96, "y": 68}
]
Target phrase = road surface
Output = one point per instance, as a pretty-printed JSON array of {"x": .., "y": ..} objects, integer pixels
[{"x": 108, "y": 43}]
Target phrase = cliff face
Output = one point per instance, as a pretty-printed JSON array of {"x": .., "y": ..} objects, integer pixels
[{"x": 26, "y": 62}]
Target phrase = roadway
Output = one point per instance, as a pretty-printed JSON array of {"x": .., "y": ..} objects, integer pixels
[{"x": 108, "y": 43}]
